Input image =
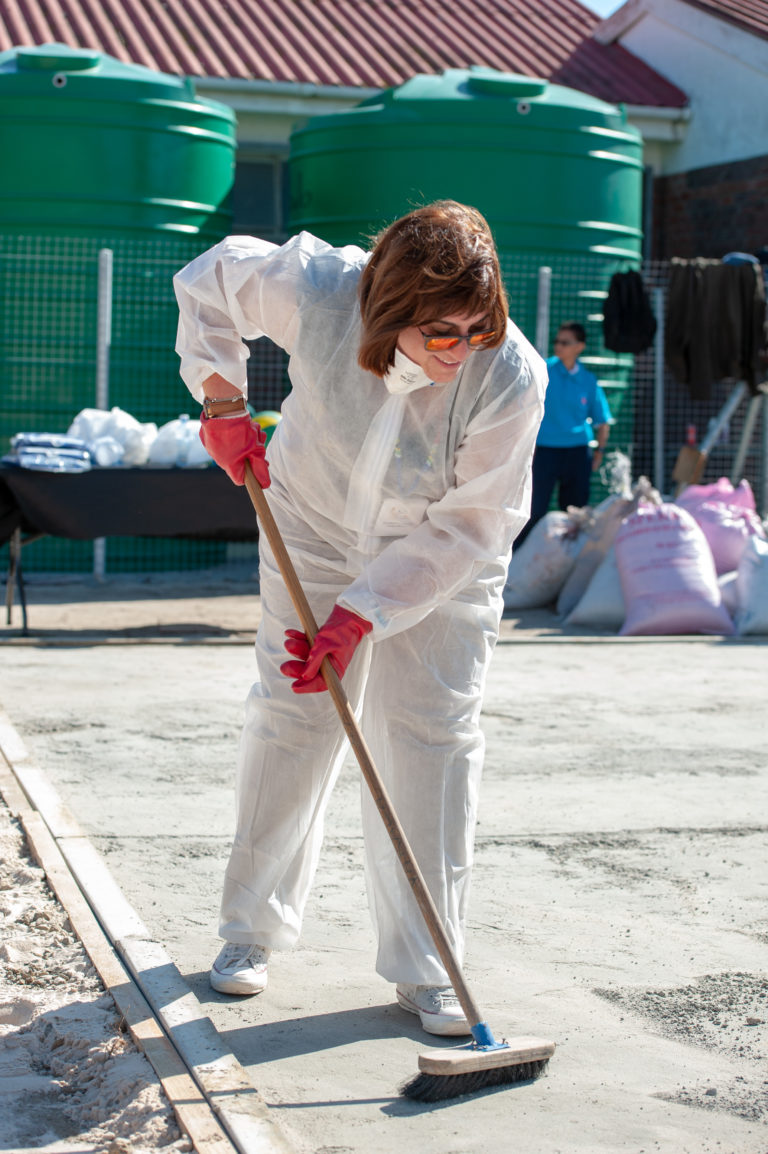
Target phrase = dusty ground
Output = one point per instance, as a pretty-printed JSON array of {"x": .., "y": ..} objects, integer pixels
[{"x": 619, "y": 894}]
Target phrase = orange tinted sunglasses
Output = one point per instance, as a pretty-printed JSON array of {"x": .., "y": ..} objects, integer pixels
[{"x": 434, "y": 343}]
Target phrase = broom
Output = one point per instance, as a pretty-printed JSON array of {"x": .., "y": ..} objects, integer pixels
[{"x": 484, "y": 1063}]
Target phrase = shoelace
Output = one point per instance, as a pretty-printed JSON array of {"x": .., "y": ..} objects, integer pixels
[
  {"x": 237, "y": 953},
  {"x": 445, "y": 999}
]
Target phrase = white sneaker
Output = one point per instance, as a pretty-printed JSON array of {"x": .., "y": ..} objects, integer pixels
[
  {"x": 240, "y": 969},
  {"x": 437, "y": 1007}
]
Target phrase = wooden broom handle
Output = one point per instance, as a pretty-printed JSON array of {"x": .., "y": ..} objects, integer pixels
[{"x": 363, "y": 755}]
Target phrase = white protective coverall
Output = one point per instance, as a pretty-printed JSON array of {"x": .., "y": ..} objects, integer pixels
[{"x": 400, "y": 500}]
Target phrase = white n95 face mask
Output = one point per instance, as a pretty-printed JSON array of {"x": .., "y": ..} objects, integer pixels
[{"x": 405, "y": 375}]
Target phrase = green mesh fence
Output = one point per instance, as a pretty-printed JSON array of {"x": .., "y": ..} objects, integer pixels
[
  {"x": 577, "y": 289},
  {"x": 48, "y": 349},
  {"x": 48, "y": 307},
  {"x": 48, "y": 354}
]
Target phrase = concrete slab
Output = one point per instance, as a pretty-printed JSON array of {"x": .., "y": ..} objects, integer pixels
[{"x": 619, "y": 898}]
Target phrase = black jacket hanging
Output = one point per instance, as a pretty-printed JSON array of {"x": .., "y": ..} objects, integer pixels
[{"x": 629, "y": 325}]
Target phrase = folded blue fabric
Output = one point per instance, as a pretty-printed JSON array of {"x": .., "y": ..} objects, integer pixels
[
  {"x": 37, "y": 441},
  {"x": 49, "y": 453}
]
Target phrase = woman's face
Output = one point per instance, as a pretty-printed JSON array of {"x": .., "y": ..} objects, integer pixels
[{"x": 441, "y": 367}]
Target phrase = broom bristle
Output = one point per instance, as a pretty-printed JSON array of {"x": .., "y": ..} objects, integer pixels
[{"x": 437, "y": 1087}]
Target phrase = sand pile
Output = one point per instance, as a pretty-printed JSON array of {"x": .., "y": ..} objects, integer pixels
[{"x": 69, "y": 1074}]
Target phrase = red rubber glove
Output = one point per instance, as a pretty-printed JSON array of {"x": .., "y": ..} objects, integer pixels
[
  {"x": 337, "y": 639},
  {"x": 232, "y": 441}
]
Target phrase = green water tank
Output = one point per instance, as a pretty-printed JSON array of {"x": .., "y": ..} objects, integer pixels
[
  {"x": 557, "y": 174},
  {"x": 100, "y": 147},
  {"x": 551, "y": 168},
  {"x": 101, "y": 155}
]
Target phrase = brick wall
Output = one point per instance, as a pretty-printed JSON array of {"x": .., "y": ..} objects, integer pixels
[{"x": 711, "y": 211}]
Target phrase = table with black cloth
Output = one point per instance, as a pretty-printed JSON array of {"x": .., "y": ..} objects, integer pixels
[{"x": 194, "y": 503}]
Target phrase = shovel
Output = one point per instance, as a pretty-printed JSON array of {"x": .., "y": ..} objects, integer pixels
[{"x": 691, "y": 461}]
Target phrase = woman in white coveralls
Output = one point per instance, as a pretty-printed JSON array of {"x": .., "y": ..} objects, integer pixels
[{"x": 399, "y": 478}]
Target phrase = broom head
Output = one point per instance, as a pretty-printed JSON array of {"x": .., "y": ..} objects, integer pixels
[{"x": 469, "y": 1069}]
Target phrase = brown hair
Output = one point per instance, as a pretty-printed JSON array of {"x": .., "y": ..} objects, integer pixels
[{"x": 434, "y": 261}]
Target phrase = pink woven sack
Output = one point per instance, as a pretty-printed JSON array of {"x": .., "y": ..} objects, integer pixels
[
  {"x": 727, "y": 518},
  {"x": 668, "y": 575}
]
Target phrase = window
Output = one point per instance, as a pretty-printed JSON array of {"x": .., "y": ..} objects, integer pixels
[{"x": 260, "y": 197}]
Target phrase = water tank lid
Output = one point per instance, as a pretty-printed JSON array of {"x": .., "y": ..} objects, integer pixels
[
  {"x": 509, "y": 84},
  {"x": 56, "y": 58}
]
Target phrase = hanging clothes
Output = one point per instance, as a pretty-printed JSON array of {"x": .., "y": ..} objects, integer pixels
[
  {"x": 629, "y": 325},
  {"x": 715, "y": 324}
]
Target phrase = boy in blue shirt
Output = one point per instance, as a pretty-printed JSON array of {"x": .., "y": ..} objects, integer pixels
[{"x": 575, "y": 413}]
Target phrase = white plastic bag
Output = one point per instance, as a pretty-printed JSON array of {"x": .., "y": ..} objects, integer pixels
[
  {"x": 197, "y": 457},
  {"x": 137, "y": 444},
  {"x": 114, "y": 437},
  {"x": 668, "y": 577},
  {"x": 178, "y": 445},
  {"x": 120, "y": 424},
  {"x": 135, "y": 437},
  {"x": 164, "y": 450},
  {"x": 89, "y": 424},
  {"x": 106, "y": 452}
]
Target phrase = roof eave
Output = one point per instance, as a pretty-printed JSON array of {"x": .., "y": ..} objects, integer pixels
[
  {"x": 659, "y": 124},
  {"x": 293, "y": 89}
]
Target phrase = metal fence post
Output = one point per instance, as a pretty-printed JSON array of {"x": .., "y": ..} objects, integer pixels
[
  {"x": 658, "y": 392},
  {"x": 103, "y": 344},
  {"x": 543, "y": 293},
  {"x": 763, "y": 506}
]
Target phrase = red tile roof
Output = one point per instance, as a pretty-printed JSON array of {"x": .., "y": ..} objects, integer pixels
[
  {"x": 348, "y": 43},
  {"x": 752, "y": 15}
]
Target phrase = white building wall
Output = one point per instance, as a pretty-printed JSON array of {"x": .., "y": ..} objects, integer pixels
[{"x": 723, "y": 70}]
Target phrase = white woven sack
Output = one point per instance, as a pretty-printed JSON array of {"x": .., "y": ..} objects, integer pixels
[
  {"x": 540, "y": 566},
  {"x": 729, "y": 592},
  {"x": 752, "y": 588},
  {"x": 602, "y": 603}
]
